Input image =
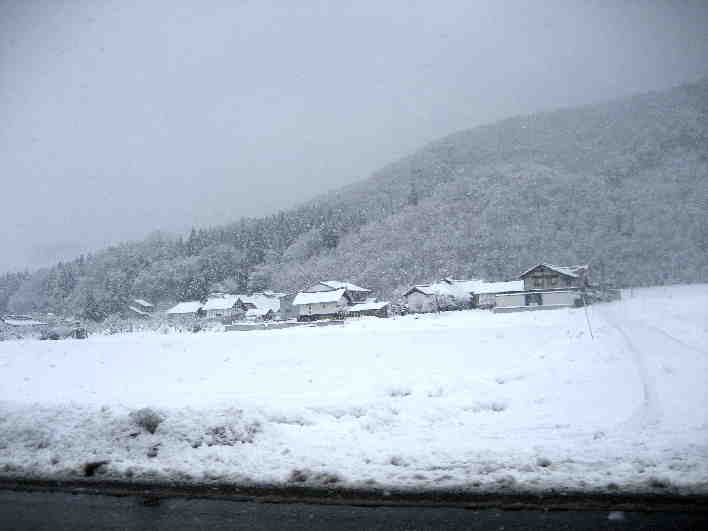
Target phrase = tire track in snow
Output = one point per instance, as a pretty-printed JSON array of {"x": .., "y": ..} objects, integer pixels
[
  {"x": 677, "y": 340},
  {"x": 648, "y": 414}
]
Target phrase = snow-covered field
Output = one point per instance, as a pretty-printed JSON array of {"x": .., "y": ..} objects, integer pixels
[{"x": 469, "y": 400}]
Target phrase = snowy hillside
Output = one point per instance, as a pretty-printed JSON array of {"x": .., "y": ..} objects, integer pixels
[
  {"x": 464, "y": 399},
  {"x": 621, "y": 186}
]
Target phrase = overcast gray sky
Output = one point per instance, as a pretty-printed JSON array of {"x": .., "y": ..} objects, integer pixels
[{"x": 121, "y": 117}]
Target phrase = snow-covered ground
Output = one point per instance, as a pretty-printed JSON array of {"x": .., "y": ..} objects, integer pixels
[{"x": 469, "y": 400}]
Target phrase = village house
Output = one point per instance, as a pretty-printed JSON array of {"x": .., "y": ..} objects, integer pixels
[
  {"x": 144, "y": 305},
  {"x": 485, "y": 294},
  {"x": 369, "y": 308},
  {"x": 321, "y": 304},
  {"x": 424, "y": 298},
  {"x": 223, "y": 306},
  {"x": 452, "y": 294},
  {"x": 260, "y": 314},
  {"x": 263, "y": 301},
  {"x": 185, "y": 310},
  {"x": 141, "y": 308},
  {"x": 546, "y": 276},
  {"x": 448, "y": 294},
  {"x": 354, "y": 292},
  {"x": 546, "y": 287}
]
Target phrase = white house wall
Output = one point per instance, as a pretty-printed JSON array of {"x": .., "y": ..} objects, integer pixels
[
  {"x": 420, "y": 303},
  {"x": 512, "y": 299},
  {"x": 322, "y": 308},
  {"x": 560, "y": 297}
]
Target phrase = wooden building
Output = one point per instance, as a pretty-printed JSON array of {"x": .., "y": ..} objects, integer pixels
[
  {"x": 225, "y": 307},
  {"x": 354, "y": 293},
  {"x": 369, "y": 308},
  {"x": 485, "y": 294},
  {"x": 143, "y": 305},
  {"x": 547, "y": 277},
  {"x": 327, "y": 304},
  {"x": 185, "y": 310},
  {"x": 448, "y": 294},
  {"x": 546, "y": 287}
]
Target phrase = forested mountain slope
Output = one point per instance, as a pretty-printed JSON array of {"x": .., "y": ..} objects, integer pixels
[{"x": 622, "y": 186}]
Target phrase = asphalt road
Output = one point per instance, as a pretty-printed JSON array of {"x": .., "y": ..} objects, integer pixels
[{"x": 59, "y": 511}]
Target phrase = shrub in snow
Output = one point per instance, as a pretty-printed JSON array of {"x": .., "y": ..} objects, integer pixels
[
  {"x": 152, "y": 452},
  {"x": 299, "y": 476},
  {"x": 543, "y": 462},
  {"x": 397, "y": 460},
  {"x": 506, "y": 482},
  {"x": 658, "y": 483},
  {"x": 399, "y": 392},
  {"x": 92, "y": 467},
  {"x": 230, "y": 435},
  {"x": 308, "y": 476},
  {"x": 147, "y": 418}
]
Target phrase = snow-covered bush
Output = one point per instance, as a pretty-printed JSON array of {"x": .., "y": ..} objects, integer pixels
[{"x": 147, "y": 418}]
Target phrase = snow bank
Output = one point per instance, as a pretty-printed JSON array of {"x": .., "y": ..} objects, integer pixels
[{"x": 468, "y": 400}]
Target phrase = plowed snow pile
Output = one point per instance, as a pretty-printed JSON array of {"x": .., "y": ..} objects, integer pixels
[{"x": 470, "y": 400}]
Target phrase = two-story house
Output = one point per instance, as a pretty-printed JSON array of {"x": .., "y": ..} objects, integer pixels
[{"x": 546, "y": 286}]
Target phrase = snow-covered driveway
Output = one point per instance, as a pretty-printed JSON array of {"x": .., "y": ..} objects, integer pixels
[{"x": 466, "y": 400}]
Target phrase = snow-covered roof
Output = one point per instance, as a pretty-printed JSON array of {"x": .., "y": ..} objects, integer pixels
[
  {"x": 222, "y": 302},
  {"x": 462, "y": 288},
  {"x": 276, "y": 294},
  {"x": 499, "y": 287},
  {"x": 262, "y": 301},
  {"x": 185, "y": 308},
  {"x": 318, "y": 297},
  {"x": 369, "y": 305},
  {"x": 258, "y": 312},
  {"x": 448, "y": 288},
  {"x": 138, "y": 311},
  {"x": 569, "y": 271},
  {"x": 143, "y": 303},
  {"x": 425, "y": 289},
  {"x": 536, "y": 291},
  {"x": 336, "y": 284},
  {"x": 23, "y": 322}
]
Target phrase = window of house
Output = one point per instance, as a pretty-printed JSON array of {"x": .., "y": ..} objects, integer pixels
[
  {"x": 533, "y": 299},
  {"x": 538, "y": 282},
  {"x": 554, "y": 281}
]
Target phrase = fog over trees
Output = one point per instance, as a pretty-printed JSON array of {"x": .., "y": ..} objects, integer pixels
[
  {"x": 123, "y": 118},
  {"x": 622, "y": 186}
]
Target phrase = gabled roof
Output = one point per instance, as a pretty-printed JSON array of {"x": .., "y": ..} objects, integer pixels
[
  {"x": 336, "y": 284},
  {"x": 276, "y": 294},
  {"x": 369, "y": 305},
  {"x": 425, "y": 289},
  {"x": 185, "y": 308},
  {"x": 568, "y": 271},
  {"x": 318, "y": 297},
  {"x": 223, "y": 302},
  {"x": 143, "y": 303},
  {"x": 460, "y": 289},
  {"x": 258, "y": 312},
  {"x": 499, "y": 287},
  {"x": 262, "y": 301},
  {"x": 22, "y": 322}
]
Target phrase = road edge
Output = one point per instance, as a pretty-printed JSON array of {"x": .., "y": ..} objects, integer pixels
[{"x": 546, "y": 501}]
